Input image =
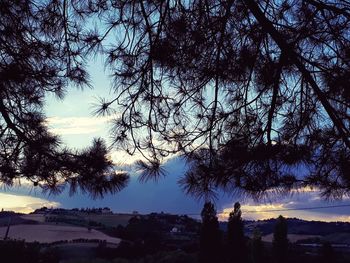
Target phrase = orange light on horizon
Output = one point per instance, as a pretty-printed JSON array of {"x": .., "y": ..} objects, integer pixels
[{"x": 23, "y": 204}]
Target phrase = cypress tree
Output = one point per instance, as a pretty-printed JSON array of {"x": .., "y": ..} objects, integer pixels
[
  {"x": 210, "y": 236},
  {"x": 235, "y": 235},
  {"x": 280, "y": 240}
]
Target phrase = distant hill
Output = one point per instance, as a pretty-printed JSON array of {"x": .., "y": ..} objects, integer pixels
[
  {"x": 334, "y": 232},
  {"x": 302, "y": 227}
]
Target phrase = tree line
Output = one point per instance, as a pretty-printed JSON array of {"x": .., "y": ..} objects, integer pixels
[{"x": 234, "y": 246}]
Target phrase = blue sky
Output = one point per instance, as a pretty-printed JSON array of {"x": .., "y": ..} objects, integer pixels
[{"x": 71, "y": 118}]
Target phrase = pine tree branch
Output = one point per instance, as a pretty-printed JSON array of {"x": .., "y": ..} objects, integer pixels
[{"x": 295, "y": 58}]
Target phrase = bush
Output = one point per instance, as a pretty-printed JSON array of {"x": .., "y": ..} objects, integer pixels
[{"x": 17, "y": 251}]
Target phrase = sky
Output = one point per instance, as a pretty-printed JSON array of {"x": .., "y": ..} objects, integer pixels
[{"x": 71, "y": 118}]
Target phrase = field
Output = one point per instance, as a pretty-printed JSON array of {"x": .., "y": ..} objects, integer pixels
[
  {"x": 340, "y": 238},
  {"x": 110, "y": 220},
  {"x": 291, "y": 237},
  {"x": 52, "y": 233},
  {"x": 40, "y": 218}
]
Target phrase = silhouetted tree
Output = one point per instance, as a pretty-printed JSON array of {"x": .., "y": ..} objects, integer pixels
[
  {"x": 50, "y": 254},
  {"x": 327, "y": 253},
  {"x": 257, "y": 247},
  {"x": 280, "y": 240},
  {"x": 18, "y": 251},
  {"x": 261, "y": 85},
  {"x": 235, "y": 235},
  {"x": 210, "y": 235},
  {"x": 40, "y": 56}
]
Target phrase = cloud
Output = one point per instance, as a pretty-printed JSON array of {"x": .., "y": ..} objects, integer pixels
[
  {"x": 121, "y": 157},
  {"x": 77, "y": 125},
  {"x": 23, "y": 204}
]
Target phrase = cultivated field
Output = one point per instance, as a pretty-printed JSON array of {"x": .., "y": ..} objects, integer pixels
[
  {"x": 109, "y": 220},
  {"x": 53, "y": 233}
]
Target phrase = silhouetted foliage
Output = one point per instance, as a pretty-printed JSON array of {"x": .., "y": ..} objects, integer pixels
[
  {"x": 250, "y": 91},
  {"x": 327, "y": 253},
  {"x": 257, "y": 247},
  {"x": 235, "y": 235},
  {"x": 160, "y": 257},
  {"x": 210, "y": 235},
  {"x": 40, "y": 56},
  {"x": 17, "y": 251},
  {"x": 49, "y": 254},
  {"x": 260, "y": 85},
  {"x": 280, "y": 240}
]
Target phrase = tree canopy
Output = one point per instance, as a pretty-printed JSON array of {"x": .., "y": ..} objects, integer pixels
[
  {"x": 255, "y": 93},
  {"x": 37, "y": 58}
]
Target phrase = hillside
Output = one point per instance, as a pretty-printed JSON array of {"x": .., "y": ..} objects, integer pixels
[
  {"x": 54, "y": 233},
  {"x": 299, "y": 230},
  {"x": 299, "y": 226}
]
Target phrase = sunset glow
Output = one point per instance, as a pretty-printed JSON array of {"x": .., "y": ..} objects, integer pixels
[
  {"x": 266, "y": 211},
  {"x": 23, "y": 204}
]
